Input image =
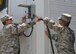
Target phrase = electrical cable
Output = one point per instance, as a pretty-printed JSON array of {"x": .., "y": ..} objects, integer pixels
[
  {"x": 30, "y": 32},
  {"x": 49, "y": 35}
]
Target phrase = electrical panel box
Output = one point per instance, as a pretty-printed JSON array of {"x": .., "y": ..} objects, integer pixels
[{"x": 31, "y": 10}]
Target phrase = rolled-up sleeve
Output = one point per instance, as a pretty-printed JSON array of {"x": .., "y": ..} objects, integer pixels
[
  {"x": 52, "y": 26},
  {"x": 22, "y": 27}
]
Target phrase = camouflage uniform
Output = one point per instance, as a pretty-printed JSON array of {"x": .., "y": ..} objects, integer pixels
[
  {"x": 64, "y": 38},
  {"x": 9, "y": 38}
]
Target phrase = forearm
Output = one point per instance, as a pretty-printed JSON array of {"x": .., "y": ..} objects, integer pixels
[
  {"x": 51, "y": 25},
  {"x": 22, "y": 28}
]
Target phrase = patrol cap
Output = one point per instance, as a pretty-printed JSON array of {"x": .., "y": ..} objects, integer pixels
[
  {"x": 66, "y": 17},
  {"x": 4, "y": 18}
]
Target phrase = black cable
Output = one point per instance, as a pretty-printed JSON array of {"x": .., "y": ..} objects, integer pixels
[
  {"x": 30, "y": 32},
  {"x": 16, "y": 25},
  {"x": 49, "y": 35}
]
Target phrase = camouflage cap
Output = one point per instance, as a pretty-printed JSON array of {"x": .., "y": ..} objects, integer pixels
[
  {"x": 4, "y": 18},
  {"x": 66, "y": 17}
]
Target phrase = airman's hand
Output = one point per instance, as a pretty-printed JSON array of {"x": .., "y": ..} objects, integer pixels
[
  {"x": 39, "y": 19},
  {"x": 23, "y": 19}
]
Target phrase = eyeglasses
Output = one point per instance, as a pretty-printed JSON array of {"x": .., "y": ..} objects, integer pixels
[{"x": 9, "y": 19}]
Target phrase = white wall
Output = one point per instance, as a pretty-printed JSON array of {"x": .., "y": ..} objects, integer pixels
[
  {"x": 40, "y": 44},
  {"x": 16, "y": 11}
]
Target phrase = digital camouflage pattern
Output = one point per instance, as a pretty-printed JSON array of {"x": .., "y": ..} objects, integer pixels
[
  {"x": 9, "y": 38},
  {"x": 64, "y": 38}
]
